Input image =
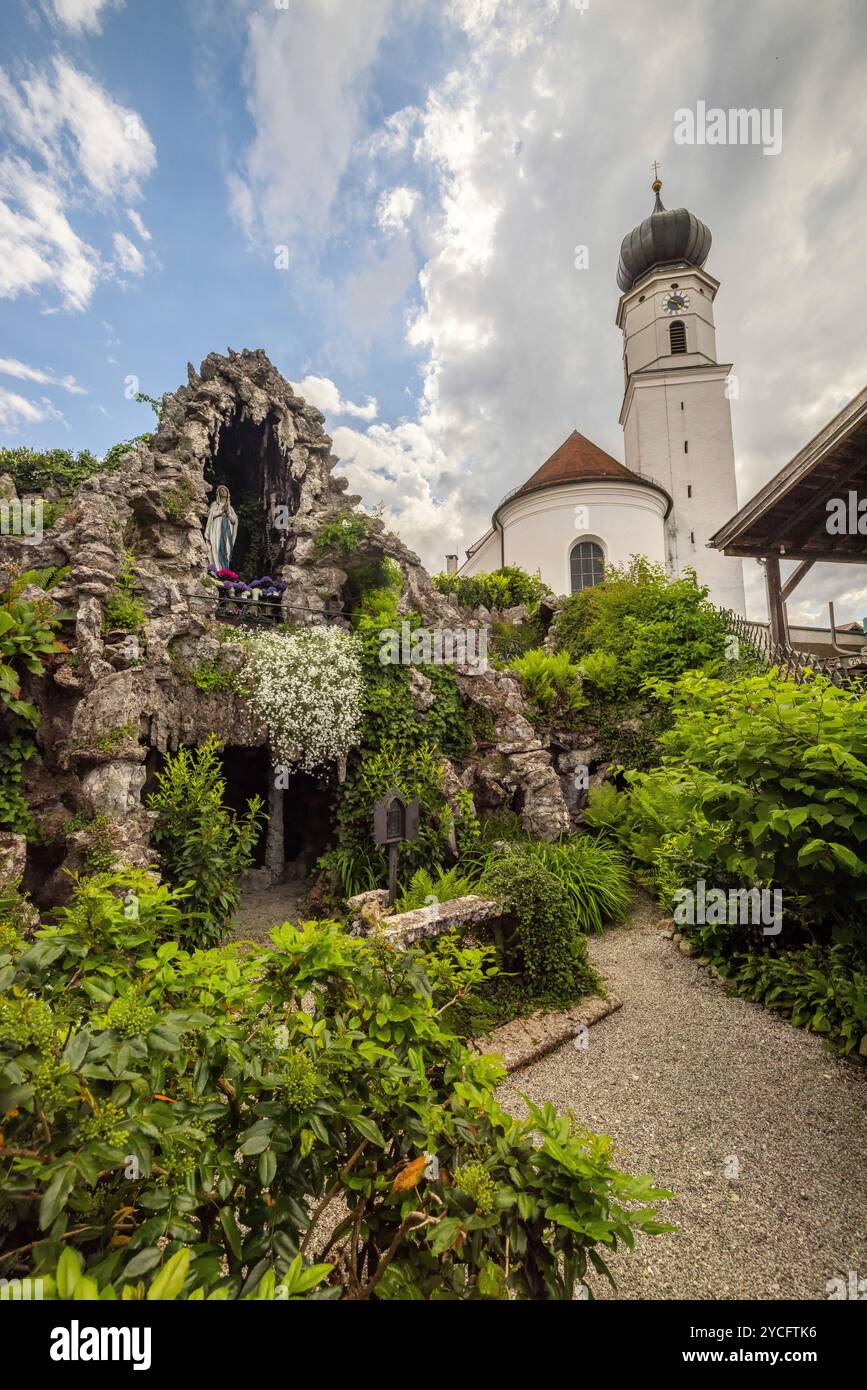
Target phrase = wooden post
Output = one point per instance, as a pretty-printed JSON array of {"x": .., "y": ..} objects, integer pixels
[
  {"x": 392, "y": 874},
  {"x": 776, "y": 605}
]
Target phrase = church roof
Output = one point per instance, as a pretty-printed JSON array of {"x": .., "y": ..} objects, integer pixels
[{"x": 578, "y": 459}]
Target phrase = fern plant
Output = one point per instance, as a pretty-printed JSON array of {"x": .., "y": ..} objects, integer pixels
[
  {"x": 552, "y": 684},
  {"x": 424, "y": 889}
]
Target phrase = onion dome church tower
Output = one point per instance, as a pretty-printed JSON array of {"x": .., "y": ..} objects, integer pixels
[{"x": 676, "y": 412}]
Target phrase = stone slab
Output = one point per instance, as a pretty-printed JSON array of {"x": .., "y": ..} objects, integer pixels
[{"x": 525, "y": 1040}]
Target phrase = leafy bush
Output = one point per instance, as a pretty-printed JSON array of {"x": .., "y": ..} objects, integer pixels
[
  {"x": 552, "y": 686},
  {"x": 652, "y": 625},
  {"x": 344, "y": 534},
  {"x": 180, "y": 1126},
  {"x": 122, "y": 609},
  {"x": 416, "y": 772},
  {"x": 763, "y": 785},
  {"x": 41, "y": 470},
  {"x": 177, "y": 500},
  {"x": 503, "y": 588},
  {"x": 210, "y": 678},
  {"x": 203, "y": 844},
  {"x": 307, "y": 686},
  {"x": 600, "y": 670},
  {"x": 406, "y": 747},
  {"x": 786, "y": 765},
  {"x": 27, "y": 635},
  {"x": 546, "y": 945}
]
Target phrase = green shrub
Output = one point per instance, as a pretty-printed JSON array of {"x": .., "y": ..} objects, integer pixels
[
  {"x": 416, "y": 772},
  {"x": 210, "y": 678},
  {"x": 652, "y": 625},
  {"x": 402, "y": 746},
  {"x": 552, "y": 686},
  {"x": 345, "y": 534},
  {"x": 202, "y": 843},
  {"x": 600, "y": 670},
  {"x": 763, "y": 785},
  {"x": 27, "y": 636},
  {"x": 122, "y": 608},
  {"x": 503, "y": 588},
  {"x": 177, "y": 500},
  {"x": 177, "y": 1126},
  {"x": 546, "y": 945}
]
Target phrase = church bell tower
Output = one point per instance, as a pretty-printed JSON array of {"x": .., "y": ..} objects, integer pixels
[{"x": 676, "y": 413}]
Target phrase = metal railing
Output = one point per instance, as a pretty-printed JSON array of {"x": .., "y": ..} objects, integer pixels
[{"x": 848, "y": 672}]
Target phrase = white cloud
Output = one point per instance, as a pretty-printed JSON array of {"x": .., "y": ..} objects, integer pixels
[
  {"x": 16, "y": 410},
  {"x": 322, "y": 392},
  {"x": 396, "y": 207},
  {"x": 306, "y": 76},
  {"x": 129, "y": 258},
  {"x": 74, "y": 141},
  {"x": 79, "y": 15},
  {"x": 40, "y": 248},
  {"x": 139, "y": 225},
  {"x": 403, "y": 469},
  {"x": 10, "y": 366}
]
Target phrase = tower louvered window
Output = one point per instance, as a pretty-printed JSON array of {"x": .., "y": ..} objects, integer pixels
[
  {"x": 677, "y": 336},
  {"x": 587, "y": 565}
]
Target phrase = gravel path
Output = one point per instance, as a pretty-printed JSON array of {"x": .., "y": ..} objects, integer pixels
[
  {"x": 687, "y": 1078},
  {"x": 259, "y": 911}
]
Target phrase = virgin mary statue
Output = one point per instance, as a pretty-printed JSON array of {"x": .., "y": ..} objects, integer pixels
[{"x": 221, "y": 530}]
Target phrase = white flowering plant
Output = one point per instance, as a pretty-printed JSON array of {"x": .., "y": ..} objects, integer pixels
[{"x": 307, "y": 686}]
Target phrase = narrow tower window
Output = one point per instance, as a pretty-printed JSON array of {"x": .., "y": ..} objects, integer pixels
[
  {"x": 586, "y": 564},
  {"x": 689, "y": 489},
  {"x": 686, "y": 446},
  {"x": 677, "y": 336}
]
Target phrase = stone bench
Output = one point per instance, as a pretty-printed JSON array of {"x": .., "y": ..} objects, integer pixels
[{"x": 403, "y": 928}]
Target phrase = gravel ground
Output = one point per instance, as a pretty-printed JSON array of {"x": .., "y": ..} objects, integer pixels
[
  {"x": 258, "y": 912},
  {"x": 685, "y": 1078}
]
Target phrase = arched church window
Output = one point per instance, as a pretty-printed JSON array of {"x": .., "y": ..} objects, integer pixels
[
  {"x": 677, "y": 336},
  {"x": 587, "y": 565}
]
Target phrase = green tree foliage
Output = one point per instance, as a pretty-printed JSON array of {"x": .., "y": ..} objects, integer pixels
[
  {"x": 177, "y": 1125},
  {"x": 502, "y": 588},
  {"x": 203, "y": 844}
]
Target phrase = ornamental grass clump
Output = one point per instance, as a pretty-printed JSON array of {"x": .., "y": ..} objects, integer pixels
[{"x": 307, "y": 687}]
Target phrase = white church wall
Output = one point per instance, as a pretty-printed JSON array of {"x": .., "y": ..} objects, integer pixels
[{"x": 540, "y": 528}]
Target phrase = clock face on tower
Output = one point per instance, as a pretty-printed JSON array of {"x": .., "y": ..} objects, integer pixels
[{"x": 675, "y": 302}]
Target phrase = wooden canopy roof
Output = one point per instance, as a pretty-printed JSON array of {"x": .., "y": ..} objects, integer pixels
[{"x": 788, "y": 517}]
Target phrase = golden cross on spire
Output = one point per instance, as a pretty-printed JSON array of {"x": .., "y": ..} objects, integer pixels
[{"x": 655, "y": 167}]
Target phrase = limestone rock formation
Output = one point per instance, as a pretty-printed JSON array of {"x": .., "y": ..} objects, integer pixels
[{"x": 120, "y": 699}]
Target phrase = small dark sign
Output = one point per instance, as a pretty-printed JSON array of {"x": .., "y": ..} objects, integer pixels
[{"x": 394, "y": 820}]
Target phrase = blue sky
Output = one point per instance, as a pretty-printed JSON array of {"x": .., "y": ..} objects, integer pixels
[{"x": 429, "y": 167}]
